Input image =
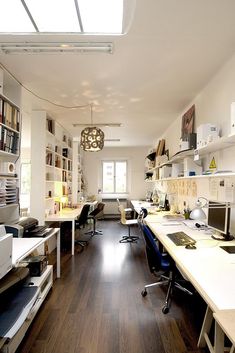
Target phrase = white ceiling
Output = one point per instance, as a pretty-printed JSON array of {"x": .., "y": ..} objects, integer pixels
[{"x": 172, "y": 50}]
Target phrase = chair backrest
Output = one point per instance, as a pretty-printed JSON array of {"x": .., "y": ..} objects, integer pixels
[
  {"x": 123, "y": 214},
  {"x": 83, "y": 215},
  {"x": 153, "y": 253},
  {"x": 98, "y": 211}
]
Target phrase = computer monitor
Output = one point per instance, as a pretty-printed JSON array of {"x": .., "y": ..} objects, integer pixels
[
  {"x": 162, "y": 201},
  {"x": 219, "y": 219}
]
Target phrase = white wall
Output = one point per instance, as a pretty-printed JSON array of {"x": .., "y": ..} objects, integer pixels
[
  {"x": 134, "y": 155},
  {"x": 212, "y": 105}
]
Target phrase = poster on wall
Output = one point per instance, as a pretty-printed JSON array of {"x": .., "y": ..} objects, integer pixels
[{"x": 187, "y": 123}]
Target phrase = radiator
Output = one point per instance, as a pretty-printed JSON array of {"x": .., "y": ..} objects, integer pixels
[{"x": 111, "y": 207}]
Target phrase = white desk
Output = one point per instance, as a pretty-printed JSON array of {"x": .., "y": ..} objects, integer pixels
[
  {"x": 137, "y": 204},
  {"x": 66, "y": 215},
  {"x": 209, "y": 268},
  {"x": 22, "y": 247},
  {"x": 224, "y": 324}
]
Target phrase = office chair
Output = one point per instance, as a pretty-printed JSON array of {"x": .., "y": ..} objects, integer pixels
[
  {"x": 160, "y": 264},
  {"x": 127, "y": 222},
  {"x": 95, "y": 215},
  {"x": 82, "y": 220}
]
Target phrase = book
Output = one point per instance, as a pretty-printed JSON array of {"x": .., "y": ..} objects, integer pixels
[
  {"x": 161, "y": 147},
  {"x": 1, "y": 109}
]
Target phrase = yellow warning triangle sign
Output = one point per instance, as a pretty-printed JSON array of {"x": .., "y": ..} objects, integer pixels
[{"x": 212, "y": 164}]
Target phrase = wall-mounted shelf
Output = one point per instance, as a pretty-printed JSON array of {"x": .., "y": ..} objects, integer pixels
[
  {"x": 215, "y": 175},
  {"x": 219, "y": 144}
]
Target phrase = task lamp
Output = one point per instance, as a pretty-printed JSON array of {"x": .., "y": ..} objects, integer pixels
[
  {"x": 197, "y": 213},
  {"x": 63, "y": 200}
]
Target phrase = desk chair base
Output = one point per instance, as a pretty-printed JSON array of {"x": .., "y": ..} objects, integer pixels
[
  {"x": 128, "y": 239},
  {"x": 170, "y": 280},
  {"x": 96, "y": 232},
  {"x": 82, "y": 243}
]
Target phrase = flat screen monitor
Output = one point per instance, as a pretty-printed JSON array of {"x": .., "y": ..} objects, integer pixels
[
  {"x": 162, "y": 201},
  {"x": 219, "y": 218}
]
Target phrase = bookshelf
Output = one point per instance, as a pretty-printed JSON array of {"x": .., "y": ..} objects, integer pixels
[
  {"x": 9, "y": 129},
  {"x": 77, "y": 191},
  {"x": 52, "y": 165},
  {"x": 9, "y": 154}
]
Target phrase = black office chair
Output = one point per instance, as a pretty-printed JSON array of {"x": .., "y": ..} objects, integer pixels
[
  {"x": 95, "y": 215},
  {"x": 81, "y": 222},
  {"x": 160, "y": 264}
]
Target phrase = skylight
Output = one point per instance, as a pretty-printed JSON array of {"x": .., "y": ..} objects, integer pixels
[{"x": 62, "y": 16}]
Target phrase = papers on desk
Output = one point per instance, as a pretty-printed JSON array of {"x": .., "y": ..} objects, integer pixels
[
  {"x": 172, "y": 220},
  {"x": 171, "y": 223},
  {"x": 174, "y": 217}
]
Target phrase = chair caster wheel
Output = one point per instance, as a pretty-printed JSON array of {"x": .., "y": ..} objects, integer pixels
[
  {"x": 144, "y": 293},
  {"x": 165, "y": 309}
]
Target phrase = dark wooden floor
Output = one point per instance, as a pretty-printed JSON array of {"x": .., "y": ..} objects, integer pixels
[{"x": 96, "y": 306}]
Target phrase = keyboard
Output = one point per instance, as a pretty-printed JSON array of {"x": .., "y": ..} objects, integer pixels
[{"x": 181, "y": 239}]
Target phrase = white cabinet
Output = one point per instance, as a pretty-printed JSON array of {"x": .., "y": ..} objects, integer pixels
[{"x": 51, "y": 164}]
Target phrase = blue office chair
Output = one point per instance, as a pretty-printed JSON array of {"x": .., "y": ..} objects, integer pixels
[{"x": 159, "y": 264}]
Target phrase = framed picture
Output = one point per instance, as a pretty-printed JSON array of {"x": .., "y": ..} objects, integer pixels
[{"x": 187, "y": 123}]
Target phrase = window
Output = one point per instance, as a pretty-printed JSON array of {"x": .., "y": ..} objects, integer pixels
[
  {"x": 63, "y": 16},
  {"x": 114, "y": 177}
]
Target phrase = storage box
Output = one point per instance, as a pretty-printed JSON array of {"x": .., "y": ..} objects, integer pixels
[
  {"x": 36, "y": 265},
  {"x": 206, "y": 133},
  {"x": 165, "y": 172}
]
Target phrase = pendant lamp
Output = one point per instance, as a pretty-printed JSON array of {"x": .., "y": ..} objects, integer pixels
[{"x": 92, "y": 138}]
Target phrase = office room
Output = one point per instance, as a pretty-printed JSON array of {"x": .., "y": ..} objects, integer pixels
[{"x": 117, "y": 144}]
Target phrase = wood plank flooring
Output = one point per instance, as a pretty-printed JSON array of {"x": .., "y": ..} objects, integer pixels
[{"x": 96, "y": 306}]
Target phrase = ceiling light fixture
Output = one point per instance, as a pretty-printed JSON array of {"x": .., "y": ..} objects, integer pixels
[
  {"x": 100, "y": 124},
  {"x": 51, "y": 48},
  {"x": 92, "y": 138}
]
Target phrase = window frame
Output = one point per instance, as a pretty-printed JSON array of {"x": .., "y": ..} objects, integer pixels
[{"x": 115, "y": 161}]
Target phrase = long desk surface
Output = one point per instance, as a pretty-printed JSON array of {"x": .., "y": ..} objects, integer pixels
[
  {"x": 209, "y": 268},
  {"x": 66, "y": 215},
  {"x": 70, "y": 215}
]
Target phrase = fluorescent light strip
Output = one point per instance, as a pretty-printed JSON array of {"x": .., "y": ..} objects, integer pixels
[
  {"x": 112, "y": 140},
  {"x": 50, "y": 48},
  {"x": 100, "y": 124}
]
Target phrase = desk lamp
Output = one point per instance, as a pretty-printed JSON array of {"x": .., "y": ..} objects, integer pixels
[
  {"x": 197, "y": 213},
  {"x": 63, "y": 200}
]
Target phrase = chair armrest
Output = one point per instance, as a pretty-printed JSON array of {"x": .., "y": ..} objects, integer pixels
[{"x": 128, "y": 209}]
